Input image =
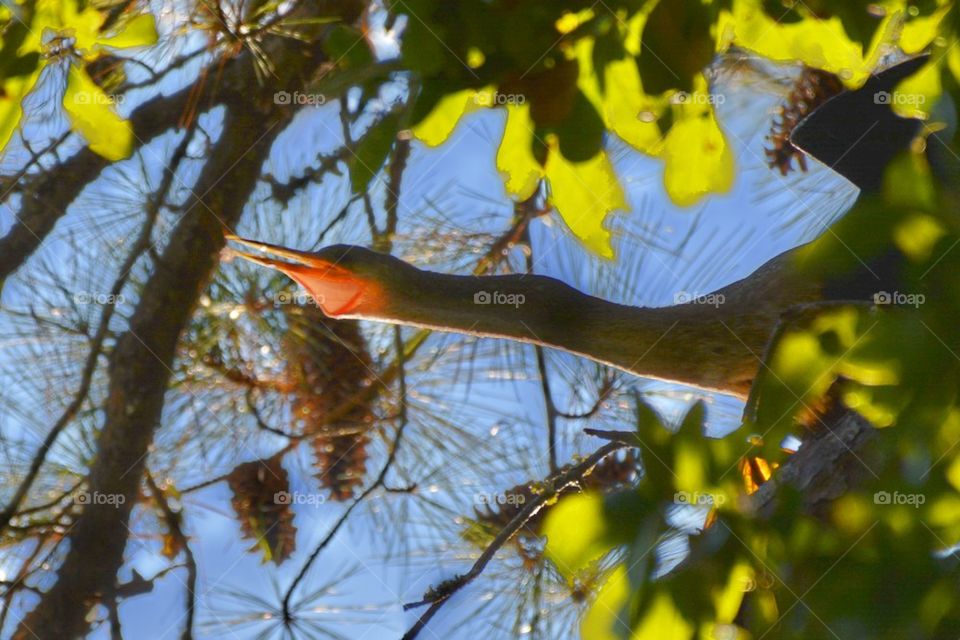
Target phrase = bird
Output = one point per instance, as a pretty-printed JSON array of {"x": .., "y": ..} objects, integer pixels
[{"x": 715, "y": 347}]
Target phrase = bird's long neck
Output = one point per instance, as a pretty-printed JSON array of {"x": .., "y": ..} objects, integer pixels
[{"x": 715, "y": 343}]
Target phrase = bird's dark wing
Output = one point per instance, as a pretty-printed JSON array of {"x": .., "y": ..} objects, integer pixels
[{"x": 856, "y": 133}]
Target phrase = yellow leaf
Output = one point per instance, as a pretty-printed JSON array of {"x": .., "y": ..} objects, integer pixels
[
  {"x": 627, "y": 110},
  {"x": 917, "y": 236},
  {"x": 919, "y": 32},
  {"x": 728, "y": 599},
  {"x": 520, "y": 170},
  {"x": 605, "y": 619},
  {"x": 584, "y": 193},
  {"x": 569, "y": 21},
  {"x": 819, "y": 43},
  {"x": 698, "y": 160},
  {"x": 663, "y": 620},
  {"x": 440, "y": 123},
  {"x": 14, "y": 90},
  {"x": 91, "y": 115},
  {"x": 139, "y": 32},
  {"x": 84, "y": 27},
  {"x": 576, "y": 532},
  {"x": 953, "y": 61}
]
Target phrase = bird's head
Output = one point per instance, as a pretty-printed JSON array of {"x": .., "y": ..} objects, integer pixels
[{"x": 346, "y": 281}]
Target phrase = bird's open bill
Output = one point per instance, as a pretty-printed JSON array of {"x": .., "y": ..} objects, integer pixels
[
  {"x": 337, "y": 290},
  {"x": 298, "y": 257}
]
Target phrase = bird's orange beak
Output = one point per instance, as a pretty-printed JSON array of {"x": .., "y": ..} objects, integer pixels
[{"x": 337, "y": 290}]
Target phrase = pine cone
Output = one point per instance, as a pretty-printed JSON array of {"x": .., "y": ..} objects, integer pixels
[
  {"x": 261, "y": 499},
  {"x": 813, "y": 88},
  {"x": 329, "y": 367}
]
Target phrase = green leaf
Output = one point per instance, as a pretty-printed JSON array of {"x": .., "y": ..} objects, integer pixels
[
  {"x": 372, "y": 152},
  {"x": 581, "y": 134},
  {"x": 91, "y": 115},
  {"x": 347, "y": 47},
  {"x": 677, "y": 45},
  {"x": 584, "y": 193}
]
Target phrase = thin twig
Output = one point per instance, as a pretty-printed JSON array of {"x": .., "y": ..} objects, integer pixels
[
  {"x": 86, "y": 377},
  {"x": 174, "y": 523},
  {"x": 552, "y": 487}
]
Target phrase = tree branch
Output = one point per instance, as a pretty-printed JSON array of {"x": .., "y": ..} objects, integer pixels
[{"x": 552, "y": 487}]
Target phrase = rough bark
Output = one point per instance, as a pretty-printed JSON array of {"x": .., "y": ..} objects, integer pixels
[{"x": 832, "y": 461}]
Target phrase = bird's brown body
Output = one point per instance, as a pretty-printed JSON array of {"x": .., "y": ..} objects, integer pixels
[{"x": 716, "y": 346}]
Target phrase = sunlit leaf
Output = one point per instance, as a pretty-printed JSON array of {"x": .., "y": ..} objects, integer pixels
[
  {"x": 91, "y": 115},
  {"x": 584, "y": 193},
  {"x": 138, "y": 32},
  {"x": 728, "y": 599},
  {"x": 437, "y": 126},
  {"x": 520, "y": 170},
  {"x": 607, "y": 619},
  {"x": 818, "y": 43},
  {"x": 577, "y": 532},
  {"x": 627, "y": 110},
  {"x": 11, "y": 96},
  {"x": 663, "y": 619},
  {"x": 919, "y": 32},
  {"x": 698, "y": 161}
]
